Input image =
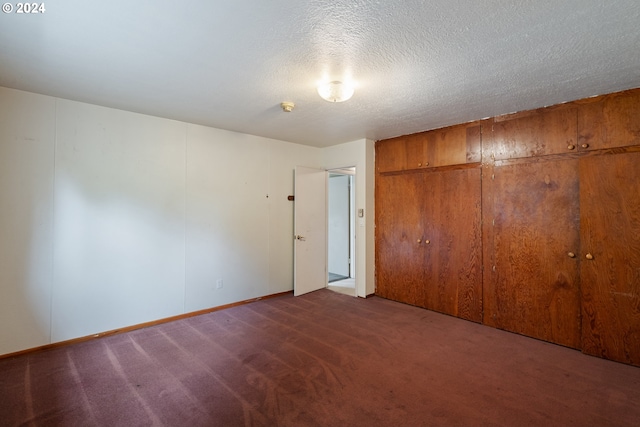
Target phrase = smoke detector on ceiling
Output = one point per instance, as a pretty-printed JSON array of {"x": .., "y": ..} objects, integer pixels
[{"x": 287, "y": 107}]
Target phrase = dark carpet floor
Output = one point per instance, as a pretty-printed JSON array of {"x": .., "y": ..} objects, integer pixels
[{"x": 322, "y": 359}]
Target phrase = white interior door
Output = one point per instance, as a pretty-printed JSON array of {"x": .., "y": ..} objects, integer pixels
[{"x": 310, "y": 218}]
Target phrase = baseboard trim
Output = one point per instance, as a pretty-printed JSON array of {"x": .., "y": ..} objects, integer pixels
[{"x": 138, "y": 326}]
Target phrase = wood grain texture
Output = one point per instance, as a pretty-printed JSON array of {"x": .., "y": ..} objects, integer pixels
[
  {"x": 609, "y": 121},
  {"x": 474, "y": 144},
  {"x": 488, "y": 258},
  {"x": 536, "y": 133},
  {"x": 452, "y": 145},
  {"x": 428, "y": 240},
  {"x": 399, "y": 226},
  {"x": 547, "y": 200},
  {"x": 402, "y": 153},
  {"x": 610, "y": 232},
  {"x": 417, "y": 152},
  {"x": 454, "y": 253},
  {"x": 535, "y": 286},
  {"x": 391, "y": 155}
]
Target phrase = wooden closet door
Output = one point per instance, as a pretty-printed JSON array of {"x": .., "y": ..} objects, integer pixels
[
  {"x": 609, "y": 121},
  {"x": 453, "y": 243},
  {"x": 534, "y": 286},
  {"x": 401, "y": 153},
  {"x": 400, "y": 245},
  {"x": 551, "y": 130},
  {"x": 610, "y": 256}
]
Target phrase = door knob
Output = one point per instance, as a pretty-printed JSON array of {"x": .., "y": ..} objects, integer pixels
[
  {"x": 589, "y": 256},
  {"x": 571, "y": 255}
]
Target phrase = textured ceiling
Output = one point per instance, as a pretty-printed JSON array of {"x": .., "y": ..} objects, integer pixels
[{"x": 416, "y": 65}]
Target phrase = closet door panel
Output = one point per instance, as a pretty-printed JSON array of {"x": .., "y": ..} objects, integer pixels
[
  {"x": 402, "y": 153},
  {"x": 610, "y": 256},
  {"x": 534, "y": 289},
  {"x": 609, "y": 121},
  {"x": 454, "y": 145},
  {"x": 399, "y": 238},
  {"x": 536, "y": 133},
  {"x": 391, "y": 155},
  {"x": 453, "y": 243}
]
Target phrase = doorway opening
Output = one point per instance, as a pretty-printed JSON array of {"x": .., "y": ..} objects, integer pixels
[{"x": 341, "y": 228}]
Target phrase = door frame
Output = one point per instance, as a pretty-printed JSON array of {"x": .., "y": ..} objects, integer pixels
[
  {"x": 346, "y": 171},
  {"x": 350, "y": 170}
]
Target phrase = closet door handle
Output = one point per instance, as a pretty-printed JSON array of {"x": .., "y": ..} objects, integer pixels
[
  {"x": 571, "y": 255},
  {"x": 589, "y": 256}
]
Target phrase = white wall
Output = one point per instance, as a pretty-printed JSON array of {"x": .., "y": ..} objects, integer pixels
[
  {"x": 27, "y": 135},
  {"x": 110, "y": 218},
  {"x": 361, "y": 155},
  {"x": 118, "y": 219}
]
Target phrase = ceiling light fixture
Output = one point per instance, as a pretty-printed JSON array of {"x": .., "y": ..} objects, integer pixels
[{"x": 335, "y": 91}]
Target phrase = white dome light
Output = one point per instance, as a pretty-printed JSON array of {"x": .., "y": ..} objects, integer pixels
[{"x": 335, "y": 91}]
